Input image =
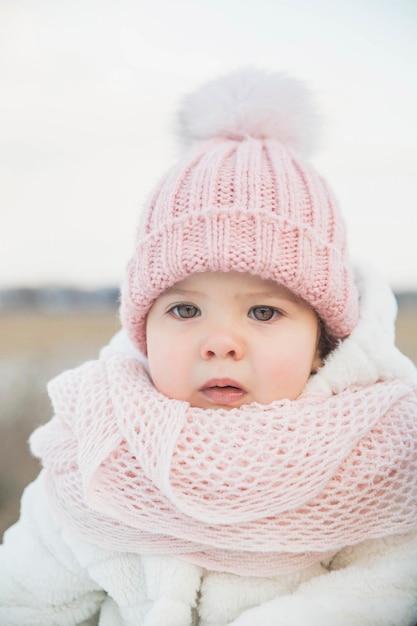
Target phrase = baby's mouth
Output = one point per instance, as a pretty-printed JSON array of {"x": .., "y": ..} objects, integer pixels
[{"x": 223, "y": 391}]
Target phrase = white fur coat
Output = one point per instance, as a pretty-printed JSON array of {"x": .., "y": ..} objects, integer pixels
[{"x": 48, "y": 577}]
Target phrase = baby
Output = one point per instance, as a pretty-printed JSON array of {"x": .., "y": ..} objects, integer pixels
[
  {"x": 228, "y": 339},
  {"x": 244, "y": 452}
]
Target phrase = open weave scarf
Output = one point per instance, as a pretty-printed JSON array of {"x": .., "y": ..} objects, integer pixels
[{"x": 258, "y": 490}]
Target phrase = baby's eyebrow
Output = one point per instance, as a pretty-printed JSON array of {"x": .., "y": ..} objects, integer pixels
[
  {"x": 278, "y": 292},
  {"x": 284, "y": 294},
  {"x": 177, "y": 291}
]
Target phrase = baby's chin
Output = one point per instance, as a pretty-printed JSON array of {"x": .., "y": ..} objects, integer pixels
[
  {"x": 226, "y": 398},
  {"x": 229, "y": 406}
]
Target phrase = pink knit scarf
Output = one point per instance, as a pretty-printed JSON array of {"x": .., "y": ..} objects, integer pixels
[{"x": 259, "y": 490}]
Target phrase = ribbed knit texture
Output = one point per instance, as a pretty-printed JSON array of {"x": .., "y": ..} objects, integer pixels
[
  {"x": 249, "y": 204},
  {"x": 259, "y": 490}
]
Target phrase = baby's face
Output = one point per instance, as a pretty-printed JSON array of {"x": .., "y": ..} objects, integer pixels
[{"x": 228, "y": 339}]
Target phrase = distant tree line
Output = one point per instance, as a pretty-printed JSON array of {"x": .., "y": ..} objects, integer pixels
[{"x": 55, "y": 299}]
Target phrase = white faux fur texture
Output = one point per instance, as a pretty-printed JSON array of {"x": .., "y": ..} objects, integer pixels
[{"x": 251, "y": 103}]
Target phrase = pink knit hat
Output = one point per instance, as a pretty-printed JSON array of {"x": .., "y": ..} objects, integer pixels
[{"x": 243, "y": 198}]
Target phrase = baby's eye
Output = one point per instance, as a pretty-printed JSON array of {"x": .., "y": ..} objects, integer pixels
[
  {"x": 185, "y": 311},
  {"x": 264, "y": 313}
]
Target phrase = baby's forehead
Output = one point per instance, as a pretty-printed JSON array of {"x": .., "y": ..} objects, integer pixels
[{"x": 243, "y": 282}]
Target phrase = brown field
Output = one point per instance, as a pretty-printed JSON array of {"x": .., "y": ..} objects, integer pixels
[{"x": 34, "y": 348}]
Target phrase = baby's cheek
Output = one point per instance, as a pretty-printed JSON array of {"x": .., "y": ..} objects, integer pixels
[
  {"x": 170, "y": 373},
  {"x": 290, "y": 374}
]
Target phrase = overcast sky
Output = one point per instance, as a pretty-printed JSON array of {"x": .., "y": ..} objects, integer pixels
[{"x": 88, "y": 94}]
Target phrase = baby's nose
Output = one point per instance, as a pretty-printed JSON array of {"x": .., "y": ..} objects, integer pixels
[{"x": 222, "y": 343}]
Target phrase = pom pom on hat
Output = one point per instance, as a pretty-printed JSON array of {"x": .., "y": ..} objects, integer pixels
[
  {"x": 250, "y": 103},
  {"x": 243, "y": 199}
]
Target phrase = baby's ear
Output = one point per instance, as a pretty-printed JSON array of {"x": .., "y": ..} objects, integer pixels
[{"x": 317, "y": 361}]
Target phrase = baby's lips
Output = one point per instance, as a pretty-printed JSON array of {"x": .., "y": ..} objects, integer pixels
[{"x": 222, "y": 383}]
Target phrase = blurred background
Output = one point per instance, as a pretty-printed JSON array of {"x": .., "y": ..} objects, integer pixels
[{"x": 88, "y": 94}]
